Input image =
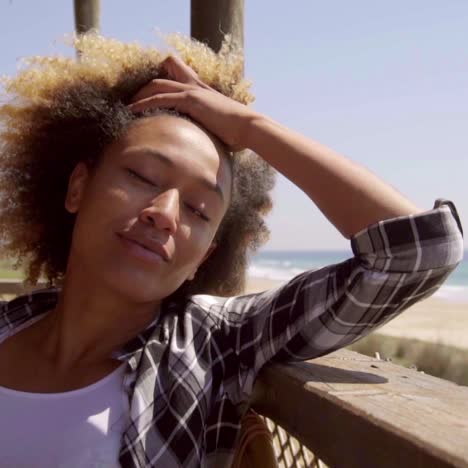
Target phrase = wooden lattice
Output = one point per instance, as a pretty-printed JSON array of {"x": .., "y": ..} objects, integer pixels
[{"x": 290, "y": 453}]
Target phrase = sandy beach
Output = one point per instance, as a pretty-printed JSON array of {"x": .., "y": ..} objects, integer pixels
[{"x": 433, "y": 319}]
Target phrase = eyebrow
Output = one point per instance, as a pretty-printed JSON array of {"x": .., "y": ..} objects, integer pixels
[{"x": 213, "y": 187}]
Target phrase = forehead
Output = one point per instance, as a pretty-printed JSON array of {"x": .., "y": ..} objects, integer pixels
[{"x": 186, "y": 146}]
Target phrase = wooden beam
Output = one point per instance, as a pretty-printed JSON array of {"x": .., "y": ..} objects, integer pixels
[
  {"x": 356, "y": 411},
  {"x": 211, "y": 20},
  {"x": 87, "y": 13},
  {"x": 15, "y": 287}
]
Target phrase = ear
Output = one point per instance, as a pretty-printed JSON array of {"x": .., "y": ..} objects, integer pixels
[
  {"x": 208, "y": 253},
  {"x": 76, "y": 187}
]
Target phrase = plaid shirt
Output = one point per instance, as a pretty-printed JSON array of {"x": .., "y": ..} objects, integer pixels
[{"x": 194, "y": 367}]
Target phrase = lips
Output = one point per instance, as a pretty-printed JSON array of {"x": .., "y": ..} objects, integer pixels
[{"x": 149, "y": 244}]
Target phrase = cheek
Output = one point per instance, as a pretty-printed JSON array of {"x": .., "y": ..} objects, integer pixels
[
  {"x": 191, "y": 245},
  {"x": 111, "y": 197},
  {"x": 103, "y": 210}
]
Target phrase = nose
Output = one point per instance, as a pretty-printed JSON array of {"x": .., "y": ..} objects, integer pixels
[{"x": 163, "y": 212}]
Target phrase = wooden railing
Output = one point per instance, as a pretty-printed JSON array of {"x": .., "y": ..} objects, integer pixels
[
  {"x": 357, "y": 411},
  {"x": 15, "y": 287}
]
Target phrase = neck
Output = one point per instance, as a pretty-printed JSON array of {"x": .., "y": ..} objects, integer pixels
[{"x": 90, "y": 322}]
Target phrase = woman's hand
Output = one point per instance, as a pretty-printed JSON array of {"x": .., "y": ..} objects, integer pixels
[
  {"x": 332, "y": 181},
  {"x": 184, "y": 91}
]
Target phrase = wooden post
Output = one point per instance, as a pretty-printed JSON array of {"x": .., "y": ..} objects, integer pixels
[
  {"x": 210, "y": 20},
  {"x": 87, "y": 14}
]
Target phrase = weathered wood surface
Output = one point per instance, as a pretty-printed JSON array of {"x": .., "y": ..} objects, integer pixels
[{"x": 356, "y": 411}]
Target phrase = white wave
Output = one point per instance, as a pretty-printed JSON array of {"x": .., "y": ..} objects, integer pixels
[
  {"x": 452, "y": 293},
  {"x": 449, "y": 292},
  {"x": 277, "y": 274}
]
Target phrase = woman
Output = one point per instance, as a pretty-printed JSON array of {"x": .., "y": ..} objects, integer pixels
[{"x": 127, "y": 188}]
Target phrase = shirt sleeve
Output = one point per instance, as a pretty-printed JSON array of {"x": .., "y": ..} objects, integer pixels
[{"x": 397, "y": 262}]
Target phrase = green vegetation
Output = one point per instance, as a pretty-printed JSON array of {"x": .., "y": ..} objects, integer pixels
[
  {"x": 7, "y": 271},
  {"x": 439, "y": 360}
]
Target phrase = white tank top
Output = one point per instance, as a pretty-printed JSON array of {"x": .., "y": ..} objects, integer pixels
[{"x": 76, "y": 429}]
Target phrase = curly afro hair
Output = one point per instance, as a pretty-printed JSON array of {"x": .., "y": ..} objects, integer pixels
[{"x": 58, "y": 111}]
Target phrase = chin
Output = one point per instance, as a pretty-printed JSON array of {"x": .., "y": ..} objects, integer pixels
[{"x": 136, "y": 286}]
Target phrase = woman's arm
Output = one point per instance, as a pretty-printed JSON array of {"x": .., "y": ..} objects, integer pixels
[
  {"x": 348, "y": 194},
  {"x": 401, "y": 254},
  {"x": 396, "y": 263}
]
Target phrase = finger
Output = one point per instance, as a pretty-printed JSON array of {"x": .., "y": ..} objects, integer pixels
[
  {"x": 166, "y": 100},
  {"x": 178, "y": 70},
  {"x": 159, "y": 86}
]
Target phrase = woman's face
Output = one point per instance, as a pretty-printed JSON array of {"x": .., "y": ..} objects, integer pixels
[{"x": 147, "y": 215}]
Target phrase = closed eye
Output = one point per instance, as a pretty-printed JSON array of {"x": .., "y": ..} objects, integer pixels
[
  {"x": 140, "y": 177},
  {"x": 194, "y": 210},
  {"x": 197, "y": 212}
]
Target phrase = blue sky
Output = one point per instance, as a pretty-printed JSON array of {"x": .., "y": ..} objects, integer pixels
[{"x": 384, "y": 83}]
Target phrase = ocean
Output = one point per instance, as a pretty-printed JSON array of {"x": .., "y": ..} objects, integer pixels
[{"x": 284, "y": 265}]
